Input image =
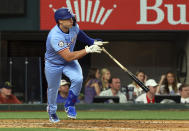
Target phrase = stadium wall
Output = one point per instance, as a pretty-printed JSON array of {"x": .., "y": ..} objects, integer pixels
[
  {"x": 29, "y": 21},
  {"x": 42, "y": 107},
  {"x": 20, "y": 36}
]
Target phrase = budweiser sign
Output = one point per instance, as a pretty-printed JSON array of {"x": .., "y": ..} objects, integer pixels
[{"x": 120, "y": 14}]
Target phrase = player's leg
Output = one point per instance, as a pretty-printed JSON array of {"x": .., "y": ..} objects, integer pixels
[
  {"x": 74, "y": 72},
  {"x": 53, "y": 77}
]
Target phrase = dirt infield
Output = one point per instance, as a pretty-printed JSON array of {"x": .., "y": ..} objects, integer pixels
[{"x": 100, "y": 125}]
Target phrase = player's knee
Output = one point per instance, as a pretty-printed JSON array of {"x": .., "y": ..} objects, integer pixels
[{"x": 78, "y": 79}]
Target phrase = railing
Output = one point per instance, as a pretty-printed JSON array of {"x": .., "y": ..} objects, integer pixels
[{"x": 25, "y": 75}]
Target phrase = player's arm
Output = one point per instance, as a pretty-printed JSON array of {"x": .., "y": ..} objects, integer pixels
[
  {"x": 69, "y": 56},
  {"x": 84, "y": 38}
]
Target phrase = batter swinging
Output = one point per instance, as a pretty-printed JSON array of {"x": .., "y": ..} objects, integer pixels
[{"x": 60, "y": 58}]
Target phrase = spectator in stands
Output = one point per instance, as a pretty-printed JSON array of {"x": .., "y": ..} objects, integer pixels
[
  {"x": 63, "y": 91},
  {"x": 105, "y": 77},
  {"x": 168, "y": 84},
  {"x": 114, "y": 90},
  {"x": 184, "y": 93},
  {"x": 93, "y": 85},
  {"x": 6, "y": 96},
  {"x": 148, "y": 97},
  {"x": 137, "y": 90}
]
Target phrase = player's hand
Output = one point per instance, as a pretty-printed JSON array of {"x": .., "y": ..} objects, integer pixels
[
  {"x": 100, "y": 43},
  {"x": 93, "y": 49}
]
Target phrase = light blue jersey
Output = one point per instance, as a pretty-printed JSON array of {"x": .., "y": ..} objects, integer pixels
[
  {"x": 57, "y": 41},
  {"x": 55, "y": 65}
]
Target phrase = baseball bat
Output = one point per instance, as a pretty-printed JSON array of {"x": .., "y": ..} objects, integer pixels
[
  {"x": 133, "y": 77},
  {"x": 105, "y": 42}
]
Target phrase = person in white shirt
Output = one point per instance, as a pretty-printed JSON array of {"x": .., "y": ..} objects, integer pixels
[
  {"x": 184, "y": 92},
  {"x": 105, "y": 77},
  {"x": 137, "y": 90},
  {"x": 148, "y": 97},
  {"x": 168, "y": 84},
  {"x": 114, "y": 90}
]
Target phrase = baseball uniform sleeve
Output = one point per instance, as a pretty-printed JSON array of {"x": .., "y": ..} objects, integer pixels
[{"x": 59, "y": 44}]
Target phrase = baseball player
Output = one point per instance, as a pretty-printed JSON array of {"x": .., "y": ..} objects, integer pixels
[{"x": 60, "y": 57}]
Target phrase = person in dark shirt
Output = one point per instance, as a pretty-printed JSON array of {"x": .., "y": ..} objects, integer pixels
[
  {"x": 6, "y": 96},
  {"x": 93, "y": 85},
  {"x": 63, "y": 92}
]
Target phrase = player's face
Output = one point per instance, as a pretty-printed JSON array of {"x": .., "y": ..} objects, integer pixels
[{"x": 66, "y": 23}]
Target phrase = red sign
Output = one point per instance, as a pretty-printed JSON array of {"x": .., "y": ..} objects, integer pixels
[{"x": 120, "y": 14}]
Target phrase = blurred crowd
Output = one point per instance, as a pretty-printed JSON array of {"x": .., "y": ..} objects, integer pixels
[{"x": 101, "y": 84}]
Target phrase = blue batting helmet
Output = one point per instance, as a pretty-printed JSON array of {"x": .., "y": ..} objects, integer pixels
[{"x": 62, "y": 14}]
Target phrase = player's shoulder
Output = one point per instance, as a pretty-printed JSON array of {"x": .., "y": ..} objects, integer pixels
[
  {"x": 75, "y": 28},
  {"x": 56, "y": 34},
  {"x": 53, "y": 32},
  {"x": 56, "y": 31}
]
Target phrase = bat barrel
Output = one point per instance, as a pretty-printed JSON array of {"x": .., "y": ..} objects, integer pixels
[{"x": 133, "y": 77}]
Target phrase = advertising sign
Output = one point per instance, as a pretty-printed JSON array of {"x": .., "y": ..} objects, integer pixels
[{"x": 120, "y": 14}]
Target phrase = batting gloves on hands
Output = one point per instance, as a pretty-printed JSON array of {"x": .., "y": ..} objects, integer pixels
[{"x": 93, "y": 49}]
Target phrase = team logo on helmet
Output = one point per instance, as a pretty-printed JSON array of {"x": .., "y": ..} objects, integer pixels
[{"x": 61, "y": 44}]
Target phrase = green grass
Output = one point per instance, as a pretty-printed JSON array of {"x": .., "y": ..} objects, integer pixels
[
  {"x": 100, "y": 115},
  {"x": 136, "y": 115},
  {"x": 36, "y": 129}
]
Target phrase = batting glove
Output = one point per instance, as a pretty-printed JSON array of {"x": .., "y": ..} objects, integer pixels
[
  {"x": 93, "y": 49},
  {"x": 100, "y": 43}
]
